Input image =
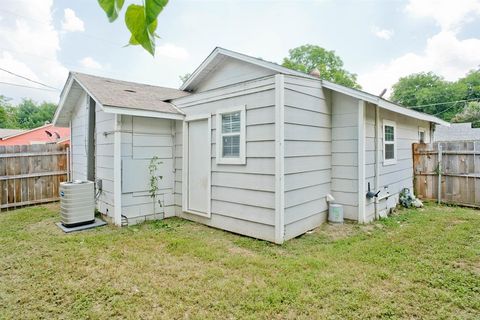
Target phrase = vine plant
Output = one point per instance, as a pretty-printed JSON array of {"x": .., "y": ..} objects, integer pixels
[{"x": 154, "y": 178}]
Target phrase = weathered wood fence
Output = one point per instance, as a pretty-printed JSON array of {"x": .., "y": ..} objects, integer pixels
[
  {"x": 455, "y": 164},
  {"x": 31, "y": 174}
]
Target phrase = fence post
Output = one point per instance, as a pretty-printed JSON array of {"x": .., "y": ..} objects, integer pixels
[{"x": 439, "y": 169}]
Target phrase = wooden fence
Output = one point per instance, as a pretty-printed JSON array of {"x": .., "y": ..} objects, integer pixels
[
  {"x": 455, "y": 164},
  {"x": 31, "y": 174}
]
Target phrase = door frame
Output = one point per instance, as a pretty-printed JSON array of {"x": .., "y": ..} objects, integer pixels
[{"x": 185, "y": 167}]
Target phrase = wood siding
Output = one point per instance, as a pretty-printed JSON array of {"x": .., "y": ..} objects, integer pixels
[
  {"x": 242, "y": 196},
  {"x": 231, "y": 71},
  {"x": 396, "y": 176},
  {"x": 308, "y": 147},
  {"x": 345, "y": 153},
  {"x": 78, "y": 139},
  {"x": 142, "y": 139},
  {"x": 104, "y": 126}
]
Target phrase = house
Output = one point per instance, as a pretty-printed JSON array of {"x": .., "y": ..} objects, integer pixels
[
  {"x": 47, "y": 133},
  {"x": 9, "y": 132},
  {"x": 457, "y": 132},
  {"x": 245, "y": 145}
]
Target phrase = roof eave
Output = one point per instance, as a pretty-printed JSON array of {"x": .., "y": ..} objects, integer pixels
[{"x": 385, "y": 104}]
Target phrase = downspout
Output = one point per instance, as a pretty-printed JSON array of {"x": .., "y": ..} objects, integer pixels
[{"x": 377, "y": 157}]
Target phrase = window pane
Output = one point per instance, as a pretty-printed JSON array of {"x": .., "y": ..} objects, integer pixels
[
  {"x": 422, "y": 136},
  {"x": 231, "y": 122},
  {"x": 231, "y": 146},
  {"x": 389, "y": 135},
  {"x": 389, "y": 151}
]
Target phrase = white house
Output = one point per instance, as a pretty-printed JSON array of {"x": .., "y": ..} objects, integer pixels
[{"x": 246, "y": 146}]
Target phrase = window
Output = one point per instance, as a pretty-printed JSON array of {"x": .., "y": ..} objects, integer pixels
[
  {"x": 421, "y": 135},
  {"x": 389, "y": 143},
  {"x": 230, "y": 131}
]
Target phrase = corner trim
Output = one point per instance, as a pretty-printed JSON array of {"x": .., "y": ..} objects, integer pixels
[
  {"x": 361, "y": 161},
  {"x": 279, "y": 158}
]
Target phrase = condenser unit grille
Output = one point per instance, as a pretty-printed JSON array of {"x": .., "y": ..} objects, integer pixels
[{"x": 77, "y": 203}]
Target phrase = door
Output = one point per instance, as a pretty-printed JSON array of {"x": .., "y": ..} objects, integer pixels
[{"x": 198, "y": 166}]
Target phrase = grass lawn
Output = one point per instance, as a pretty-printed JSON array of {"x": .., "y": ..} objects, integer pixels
[{"x": 417, "y": 264}]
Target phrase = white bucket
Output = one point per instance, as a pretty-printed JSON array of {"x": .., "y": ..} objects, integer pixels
[{"x": 335, "y": 213}]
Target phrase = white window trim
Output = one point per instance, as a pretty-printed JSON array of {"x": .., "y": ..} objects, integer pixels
[
  {"x": 422, "y": 129},
  {"x": 241, "y": 159},
  {"x": 388, "y": 162},
  {"x": 185, "y": 165}
]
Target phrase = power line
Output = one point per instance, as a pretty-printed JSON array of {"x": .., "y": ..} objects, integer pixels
[
  {"x": 25, "y": 86},
  {"x": 28, "y": 79},
  {"x": 441, "y": 103}
]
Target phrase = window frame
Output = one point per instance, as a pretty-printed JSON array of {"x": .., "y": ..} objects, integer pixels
[
  {"x": 220, "y": 159},
  {"x": 387, "y": 162},
  {"x": 422, "y": 129}
]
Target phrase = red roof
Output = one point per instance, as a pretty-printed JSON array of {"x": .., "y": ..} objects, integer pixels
[{"x": 44, "y": 134}]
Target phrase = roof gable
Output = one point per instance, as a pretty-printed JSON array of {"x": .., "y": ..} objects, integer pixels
[
  {"x": 219, "y": 54},
  {"x": 117, "y": 96}
]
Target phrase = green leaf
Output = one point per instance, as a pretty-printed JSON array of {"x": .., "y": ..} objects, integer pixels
[
  {"x": 111, "y": 7},
  {"x": 135, "y": 20},
  {"x": 153, "y": 9}
]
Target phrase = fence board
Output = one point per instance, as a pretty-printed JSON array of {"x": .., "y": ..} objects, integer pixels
[
  {"x": 460, "y": 174},
  {"x": 31, "y": 174}
]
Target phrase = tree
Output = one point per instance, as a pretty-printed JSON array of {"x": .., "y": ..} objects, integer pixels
[
  {"x": 470, "y": 84},
  {"x": 471, "y": 113},
  {"x": 141, "y": 20},
  {"x": 430, "y": 93},
  {"x": 8, "y": 117},
  {"x": 308, "y": 57},
  {"x": 185, "y": 77},
  {"x": 30, "y": 115}
]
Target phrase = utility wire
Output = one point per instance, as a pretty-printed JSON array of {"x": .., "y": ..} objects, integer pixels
[
  {"x": 25, "y": 86},
  {"x": 441, "y": 103},
  {"x": 28, "y": 79}
]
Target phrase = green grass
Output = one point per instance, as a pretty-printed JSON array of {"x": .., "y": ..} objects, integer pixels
[{"x": 417, "y": 264}]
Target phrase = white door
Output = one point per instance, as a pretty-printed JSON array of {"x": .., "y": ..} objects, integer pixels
[{"x": 199, "y": 166}]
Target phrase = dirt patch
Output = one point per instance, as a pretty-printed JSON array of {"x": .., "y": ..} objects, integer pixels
[{"x": 241, "y": 251}]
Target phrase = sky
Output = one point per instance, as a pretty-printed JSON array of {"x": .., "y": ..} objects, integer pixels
[{"x": 380, "y": 41}]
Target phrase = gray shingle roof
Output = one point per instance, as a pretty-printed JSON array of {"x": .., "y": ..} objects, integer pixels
[
  {"x": 9, "y": 132},
  {"x": 130, "y": 95},
  {"x": 457, "y": 132}
]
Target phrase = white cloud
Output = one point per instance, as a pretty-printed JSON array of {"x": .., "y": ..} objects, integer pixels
[
  {"x": 71, "y": 22},
  {"x": 90, "y": 63},
  {"x": 33, "y": 45},
  {"x": 448, "y": 14},
  {"x": 172, "y": 51},
  {"x": 384, "y": 34},
  {"x": 444, "y": 53}
]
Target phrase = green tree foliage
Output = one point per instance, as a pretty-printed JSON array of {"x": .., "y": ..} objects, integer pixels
[
  {"x": 471, "y": 113},
  {"x": 185, "y": 77},
  {"x": 141, "y": 20},
  {"x": 31, "y": 115},
  {"x": 26, "y": 115},
  {"x": 434, "y": 95},
  {"x": 8, "y": 117},
  {"x": 308, "y": 57}
]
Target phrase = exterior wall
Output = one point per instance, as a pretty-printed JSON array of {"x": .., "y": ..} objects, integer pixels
[
  {"x": 78, "y": 139},
  {"x": 345, "y": 153},
  {"x": 242, "y": 196},
  {"x": 232, "y": 71},
  {"x": 397, "y": 176},
  {"x": 142, "y": 139},
  {"x": 308, "y": 146},
  {"x": 104, "y": 126}
]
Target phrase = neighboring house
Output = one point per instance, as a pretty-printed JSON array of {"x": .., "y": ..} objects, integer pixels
[
  {"x": 41, "y": 135},
  {"x": 456, "y": 132},
  {"x": 9, "y": 132},
  {"x": 246, "y": 146}
]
